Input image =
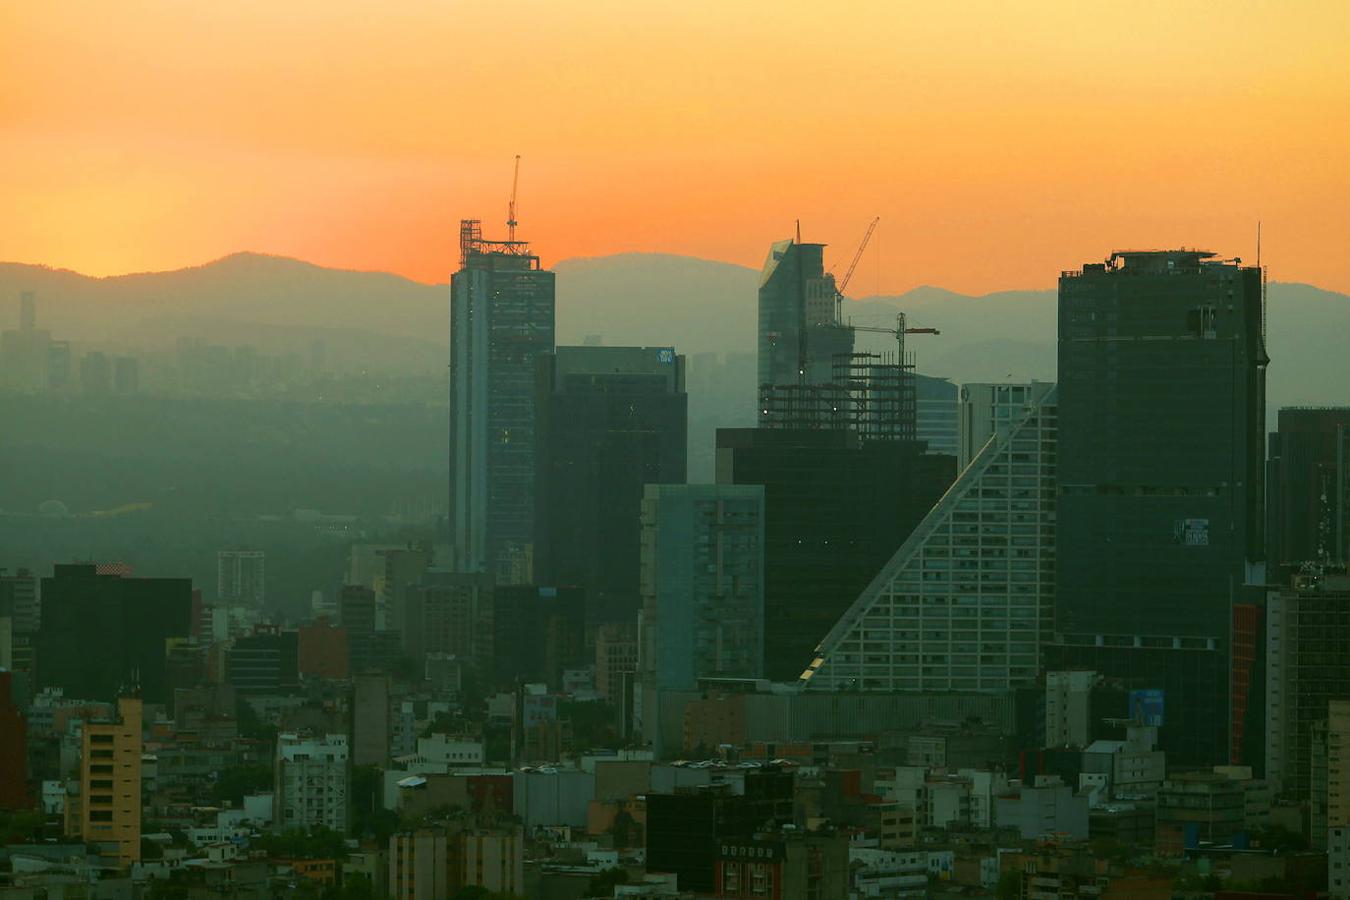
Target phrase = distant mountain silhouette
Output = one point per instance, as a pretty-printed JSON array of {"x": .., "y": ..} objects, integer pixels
[{"x": 698, "y": 306}]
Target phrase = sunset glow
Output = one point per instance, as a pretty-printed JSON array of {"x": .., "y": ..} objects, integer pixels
[{"x": 999, "y": 142}]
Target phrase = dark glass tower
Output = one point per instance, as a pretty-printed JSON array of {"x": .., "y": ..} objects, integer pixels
[
  {"x": 836, "y": 508},
  {"x": 799, "y": 329},
  {"x": 611, "y": 419},
  {"x": 1161, "y": 455},
  {"x": 501, "y": 321},
  {"x": 1309, "y": 486}
]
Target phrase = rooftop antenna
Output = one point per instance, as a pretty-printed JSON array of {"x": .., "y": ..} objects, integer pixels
[
  {"x": 799, "y": 231},
  {"x": 511, "y": 208}
]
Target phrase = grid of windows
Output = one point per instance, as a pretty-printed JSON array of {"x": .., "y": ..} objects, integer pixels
[{"x": 966, "y": 602}]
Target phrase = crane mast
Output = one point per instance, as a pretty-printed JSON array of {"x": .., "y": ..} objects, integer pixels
[{"x": 511, "y": 207}]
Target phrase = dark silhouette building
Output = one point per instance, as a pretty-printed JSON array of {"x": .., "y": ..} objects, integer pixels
[
  {"x": 537, "y": 632},
  {"x": 836, "y": 508},
  {"x": 102, "y": 632},
  {"x": 1160, "y": 521},
  {"x": 685, "y": 829},
  {"x": 502, "y": 320},
  {"x": 1308, "y": 487},
  {"x": 265, "y": 662},
  {"x": 610, "y": 420},
  {"x": 13, "y": 748}
]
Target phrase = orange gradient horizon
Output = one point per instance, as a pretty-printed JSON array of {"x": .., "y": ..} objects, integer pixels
[{"x": 998, "y": 142}]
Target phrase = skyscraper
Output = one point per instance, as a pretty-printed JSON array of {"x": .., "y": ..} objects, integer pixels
[
  {"x": 100, "y": 633},
  {"x": 611, "y": 419},
  {"x": 1161, "y": 468},
  {"x": 836, "y": 507},
  {"x": 965, "y": 603},
  {"x": 241, "y": 577},
  {"x": 702, "y": 583},
  {"x": 1309, "y": 486},
  {"x": 799, "y": 328},
  {"x": 501, "y": 321}
]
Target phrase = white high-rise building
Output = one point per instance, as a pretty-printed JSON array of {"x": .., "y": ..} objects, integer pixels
[
  {"x": 312, "y": 779},
  {"x": 240, "y": 577},
  {"x": 966, "y": 601}
]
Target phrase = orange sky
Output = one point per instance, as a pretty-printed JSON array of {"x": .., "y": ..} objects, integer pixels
[{"x": 999, "y": 142}]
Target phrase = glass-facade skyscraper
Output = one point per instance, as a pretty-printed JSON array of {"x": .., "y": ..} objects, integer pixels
[
  {"x": 501, "y": 322},
  {"x": 1161, "y": 469}
]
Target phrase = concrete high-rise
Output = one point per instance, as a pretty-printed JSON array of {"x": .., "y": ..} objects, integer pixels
[
  {"x": 1162, "y": 368},
  {"x": 241, "y": 577},
  {"x": 702, "y": 584},
  {"x": 501, "y": 322},
  {"x": 1308, "y": 487},
  {"x": 110, "y": 783},
  {"x": 966, "y": 601},
  {"x": 1307, "y": 631},
  {"x": 610, "y": 420},
  {"x": 312, "y": 778},
  {"x": 799, "y": 329}
]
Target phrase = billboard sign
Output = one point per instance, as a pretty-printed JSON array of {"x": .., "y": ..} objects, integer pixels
[{"x": 1146, "y": 707}]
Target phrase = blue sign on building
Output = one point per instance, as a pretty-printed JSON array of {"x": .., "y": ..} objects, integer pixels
[{"x": 1146, "y": 707}]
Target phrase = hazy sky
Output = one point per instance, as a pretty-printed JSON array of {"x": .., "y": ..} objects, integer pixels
[{"x": 1000, "y": 142}]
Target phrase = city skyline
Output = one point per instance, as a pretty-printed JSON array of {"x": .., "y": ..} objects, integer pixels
[{"x": 989, "y": 161}]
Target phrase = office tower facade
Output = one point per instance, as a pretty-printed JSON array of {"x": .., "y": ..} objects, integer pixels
[
  {"x": 984, "y": 409},
  {"x": 610, "y": 420},
  {"x": 110, "y": 782},
  {"x": 936, "y": 420},
  {"x": 836, "y": 508},
  {"x": 966, "y": 601},
  {"x": 264, "y": 662},
  {"x": 1162, "y": 415},
  {"x": 1308, "y": 487},
  {"x": 357, "y": 611},
  {"x": 799, "y": 329},
  {"x": 501, "y": 321},
  {"x": 371, "y": 715},
  {"x": 101, "y": 633},
  {"x": 537, "y": 633},
  {"x": 241, "y": 577},
  {"x": 19, "y": 592},
  {"x": 1307, "y": 631},
  {"x": 702, "y": 584},
  {"x": 312, "y": 778},
  {"x": 452, "y": 612}
]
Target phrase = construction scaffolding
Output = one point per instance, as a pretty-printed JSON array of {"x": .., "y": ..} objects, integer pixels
[
  {"x": 471, "y": 242},
  {"x": 870, "y": 394}
]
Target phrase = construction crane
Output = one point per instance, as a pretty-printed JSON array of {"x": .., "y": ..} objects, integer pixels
[
  {"x": 848, "y": 276},
  {"x": 900, "y": 330},
  {"x": 511, "y": 208}
]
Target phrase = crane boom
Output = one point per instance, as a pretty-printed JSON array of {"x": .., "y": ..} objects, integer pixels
[
  {"x": 511, "y": 207},
  {"x": 848, "y": 276}
]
